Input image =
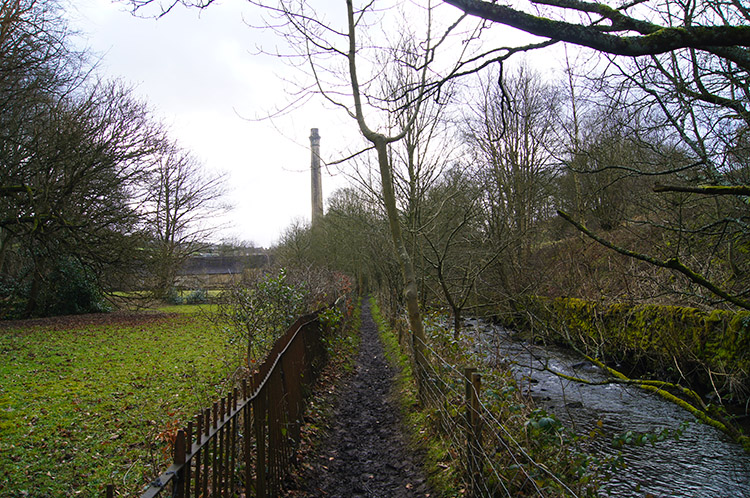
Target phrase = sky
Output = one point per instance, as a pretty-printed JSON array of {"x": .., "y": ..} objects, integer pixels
[{"x": 202, "y": 76}]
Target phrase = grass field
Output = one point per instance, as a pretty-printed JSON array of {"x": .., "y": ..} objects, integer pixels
[{"x": 87, "y": 402}]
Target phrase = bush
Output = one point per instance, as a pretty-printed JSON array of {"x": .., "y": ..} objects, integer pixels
[
  {"x": 11, "y": 301},
  {"x": 198, "y": 296},
  {"x": 71, "y": 288},
  {"x": 173, "y": 296},
  {"x": 258, "y": 310}
]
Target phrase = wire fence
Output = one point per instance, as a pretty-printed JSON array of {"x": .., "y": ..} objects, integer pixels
[{"x": 503, "y": 446}]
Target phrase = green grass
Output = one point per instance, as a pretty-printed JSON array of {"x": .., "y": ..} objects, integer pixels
[
  {"x": 92, "y": 405},
  {"x": 188, "y": 309}
]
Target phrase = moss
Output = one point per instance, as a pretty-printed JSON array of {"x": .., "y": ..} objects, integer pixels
[
  {"x": 709, "y": 349},
  {"x": 652, "y": 336}
]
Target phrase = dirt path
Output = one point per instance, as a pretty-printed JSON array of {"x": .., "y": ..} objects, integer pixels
[{"x": 366, "y": 453}]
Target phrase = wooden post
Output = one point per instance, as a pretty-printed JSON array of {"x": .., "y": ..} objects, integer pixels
[
  {"x": 472, "y": 385},
  {"x": 215, "y": 451},
  {"x": 206, "y": 449},
  {"x": 468, "y": 397},
  {"x": 476, "y": 428},
  {"x": 468, "y": 390},
  {"x": 248, "y": 449},
  {"x": 232, "y": 460},
  {"x": 197, "y": 458},
  {"x": 259, "y": 411},
  {"x": 179, "y": 459},
  {"x": 189, "y": 449},
  {"x": 220, "y": 470},
  {"x": 110, "y": 491}
]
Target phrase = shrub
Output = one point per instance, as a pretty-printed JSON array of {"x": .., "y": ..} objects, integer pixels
[
  {"x": 73, "y": 289},
  {"x": 173, "y": 296},
  {"x": 69, "y": 288},
  {"x": 198, "y": 296}
]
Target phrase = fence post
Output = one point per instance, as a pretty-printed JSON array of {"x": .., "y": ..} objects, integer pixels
[
  {"x": 259, "y": 412},
  {"x": 468, "y": 389},
  {"x": 198, "y": 439},
  {"x": 206, "y": 449},
  {"x": 215, "y": 450},
  {"x": 189, "y": 449},
  {"x": 179, "y": 459},
  {"x": 472, "y": 385},
  {"x": 110, "y": 492},
  {"x": 220, "y": 470},
  {"x": 247, "y": 421},
  {"x": 476, "y": 427},
  {"x": 234, "y": 431}
]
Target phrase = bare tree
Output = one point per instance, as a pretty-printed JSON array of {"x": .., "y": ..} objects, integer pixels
[
  {"x": 183, "y": 205},
  {"x": 458, "y": 249},
  {"x": 683, "y": 67},
  {"x": 509, "y": 134},
  {"x": 70, "y": 184}
]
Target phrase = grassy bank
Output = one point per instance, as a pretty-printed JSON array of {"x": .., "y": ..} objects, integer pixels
[
  {"x": 84, "y": 405},
  {"x": 525, "y": 450}
]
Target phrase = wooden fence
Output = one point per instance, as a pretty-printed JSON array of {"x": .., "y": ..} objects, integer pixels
[{"x": 244, "y": 444}]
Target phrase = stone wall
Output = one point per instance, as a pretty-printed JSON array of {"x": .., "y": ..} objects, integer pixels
[{"x": 710, "y": 347}]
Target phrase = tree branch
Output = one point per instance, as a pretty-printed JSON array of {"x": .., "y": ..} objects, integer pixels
[
  {"x": 671, "y": 263},
  {"x": 658, "y": 40},
  {"x": 706, "y": 189}
]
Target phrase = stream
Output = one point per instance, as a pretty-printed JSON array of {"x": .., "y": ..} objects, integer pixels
[{"x": 700, "y": 462}]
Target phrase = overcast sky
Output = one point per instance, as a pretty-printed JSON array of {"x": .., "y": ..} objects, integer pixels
[
  {"x": 200, "y": 72},
  {"x": 203, "y": 76}
]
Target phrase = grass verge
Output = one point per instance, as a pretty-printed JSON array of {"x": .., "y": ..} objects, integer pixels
[
  {"x": 188, "y": 309},
  {"x": 525, "y": 451}
]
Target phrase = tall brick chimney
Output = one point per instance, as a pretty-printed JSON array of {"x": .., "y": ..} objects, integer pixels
[{"x": 316, "y": 183}]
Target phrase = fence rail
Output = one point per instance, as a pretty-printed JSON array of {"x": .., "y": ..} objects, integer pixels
[{"x": 244, "y": 443}]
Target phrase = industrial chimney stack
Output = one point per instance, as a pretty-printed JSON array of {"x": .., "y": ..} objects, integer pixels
[{"x": 316, "y": 184}]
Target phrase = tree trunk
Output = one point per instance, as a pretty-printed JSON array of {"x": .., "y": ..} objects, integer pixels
[
  {"x": 33, "y": 298},
  {"x": 407, "y": 267},
  {"x": 389, "y": 197}
]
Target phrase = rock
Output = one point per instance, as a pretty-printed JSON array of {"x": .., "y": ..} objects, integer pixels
[{"x": 585, "y": 366}]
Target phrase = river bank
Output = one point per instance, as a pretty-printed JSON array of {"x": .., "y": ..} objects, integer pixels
[{"x": 665, "y": 451}]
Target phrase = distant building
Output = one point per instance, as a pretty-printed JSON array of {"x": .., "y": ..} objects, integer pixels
[
  {"x": 208, "y": 271},
  {"x": 316, "y": 182}
]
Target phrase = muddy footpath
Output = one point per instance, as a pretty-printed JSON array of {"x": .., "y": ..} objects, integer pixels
[{"x": 366, "y": 453}]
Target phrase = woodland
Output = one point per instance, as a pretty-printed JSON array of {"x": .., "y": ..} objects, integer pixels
[
  {"x": 621, "y": 178},
  {"x": 94, "y": 193}
]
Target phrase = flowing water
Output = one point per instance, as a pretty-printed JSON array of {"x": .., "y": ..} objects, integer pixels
[{"x": 701, "y": 463}]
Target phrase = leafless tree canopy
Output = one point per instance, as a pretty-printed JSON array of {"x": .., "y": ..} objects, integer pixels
[{"x": 80, "y": 158}]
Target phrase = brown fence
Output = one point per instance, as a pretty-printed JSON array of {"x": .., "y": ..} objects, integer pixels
[{"x": 243, "y": 445}]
